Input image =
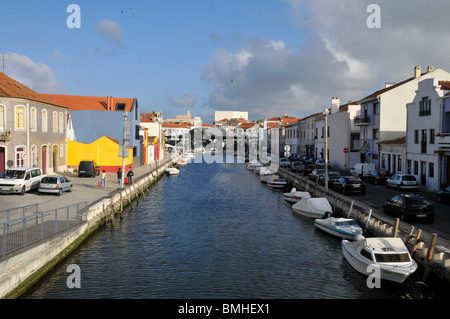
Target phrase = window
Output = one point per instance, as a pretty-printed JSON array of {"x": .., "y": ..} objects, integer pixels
[
  {"x": 328, "y": 131},
  {"x": 44, "y": 120},
  {"x": 399, "y": 162},
  {"x": 61, "y": 122},
  {"x": 20, "y": 118},
  {"x": 366, "y": 254},
  {"x": 416, "y": 167},
  {"x": 376, "y": 108},
  {"x": 432, "y": 132},
  {"x": 33, "y": 157},
  {"x": 55, "y": 122},
  {"x": 416, "y": 136},
  {"x": 376, "y": 133},
  {"x": 430, "y": 169},
  {"x": 20, "y": 161},
  {"x": 383, "y": 160},
  {"x": 2, "y": 118},
  {"x": 408, "y": 166},
  {"x": 33, "y": 119},
  {"x": 425, "y": 106},
  {"x": 120, "y": 106}
]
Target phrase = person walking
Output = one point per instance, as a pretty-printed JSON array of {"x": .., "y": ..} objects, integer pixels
[
  {"x": 119, "y": 178},
  {"x": 130, "y": 175},
  {"x": 104, "y": 178}
]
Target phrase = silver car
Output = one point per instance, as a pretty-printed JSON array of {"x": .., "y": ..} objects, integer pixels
[{"x": 55, "y": 185}]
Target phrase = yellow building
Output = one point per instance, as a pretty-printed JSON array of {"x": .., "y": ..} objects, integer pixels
[{"x": 104, "y": 152}]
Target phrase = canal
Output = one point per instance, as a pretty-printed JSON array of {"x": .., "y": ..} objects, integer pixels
[{"x": 215, "y": 231}]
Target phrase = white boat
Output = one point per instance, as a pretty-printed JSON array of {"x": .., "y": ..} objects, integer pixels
[
  {"x": 189, "y": 154},
  {"x": 389, "y": 255},
  {"x": 294, "y": 195},
  {"x": 313, "y": 207},
  {"x": 277, "y": 183},
  {"x": 254, "y": 166},
  {"x": 182, "y": 162},
  {"x": 172, "y": 171},
  {"x": 345, "y": 228},
  {"x": 268, "y": 177}
]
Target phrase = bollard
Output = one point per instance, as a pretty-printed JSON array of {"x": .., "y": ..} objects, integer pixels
[
  {"x": 413, "y": 249},
  {"x": 396, "y": 227},
  {"x": 429, "y": 256}
]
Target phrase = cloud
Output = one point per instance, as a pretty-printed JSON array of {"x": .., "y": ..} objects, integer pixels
[
  {"x": 111, "y": 31},
  {"x": 37, "y": 76},
  {"x": 340, "y": 56},
  {"x": 185, "y": 100},
  {"x": 58, "y": 56}
]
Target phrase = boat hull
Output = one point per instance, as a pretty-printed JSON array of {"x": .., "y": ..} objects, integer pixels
[
  {"x": 336, "y": 232},
  {"x": 267, "y": 178}
]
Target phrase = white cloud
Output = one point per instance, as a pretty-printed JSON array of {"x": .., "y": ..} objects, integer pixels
[
  {"x": 37, "y": 76},
  {"x": 57, "y": 55},
  {"x": 186, "y": 100},
  {"x": 111, "y": 31}
]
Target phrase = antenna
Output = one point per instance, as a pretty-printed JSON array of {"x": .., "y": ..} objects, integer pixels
[{"x": 3, "y": 64}]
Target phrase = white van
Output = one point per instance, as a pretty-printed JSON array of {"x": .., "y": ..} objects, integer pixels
[
  {"x": 20, "y": 179},
  {"x": 362, "y": 169}
]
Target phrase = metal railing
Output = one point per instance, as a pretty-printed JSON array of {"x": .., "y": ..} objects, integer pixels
[{"x": 19, "y": 232}]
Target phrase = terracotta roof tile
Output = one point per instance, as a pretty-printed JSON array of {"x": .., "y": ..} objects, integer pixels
[
  {"x": 12, "y": 89},
  {"x": 93, "y": 103}
]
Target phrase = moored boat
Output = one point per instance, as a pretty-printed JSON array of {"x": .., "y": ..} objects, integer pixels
[
  {"x": 313, "y": 207},
  {"x": 277, "y": 183},
  {"x": 387, "y": 254},
  {"x": 268, "y": 177},
  {"x": 172, "y": 171},
  {"x": 345, "y": 228},
  {"x": 294, "y": 195}
]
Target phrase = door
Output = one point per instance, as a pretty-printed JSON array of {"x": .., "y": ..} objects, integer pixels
[
  {"x": 2, "y": 159},
  {"x": 423, "y": 173},
  {"x": 44, "y": 160}
]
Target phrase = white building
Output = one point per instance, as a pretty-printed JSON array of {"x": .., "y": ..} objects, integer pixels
[
  {"x": 383, "y": 113},
  {"x": 307, "y": 134},
  {"x": 428, "y": 134},
  {"x": 292, "y": 131},
  {"x": 393, "y": 155}
]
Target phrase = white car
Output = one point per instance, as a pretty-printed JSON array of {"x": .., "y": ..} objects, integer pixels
[
  {"x": 403, "y": 181},
  {"x": 55, "y": 184}
]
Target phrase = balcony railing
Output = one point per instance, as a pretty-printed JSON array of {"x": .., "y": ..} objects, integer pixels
[
  {"x": 359, "y": 145},
  {"x": 361, "y": 120}
]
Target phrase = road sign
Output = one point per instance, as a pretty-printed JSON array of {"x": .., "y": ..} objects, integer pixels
[
  {"x": 368, "y": 153},
  {"x": 346, "y": 150}
]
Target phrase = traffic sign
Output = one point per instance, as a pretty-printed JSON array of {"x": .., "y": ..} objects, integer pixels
[
  {"x": 368, "y": 153},
  {"x": 346, "y": 150}
]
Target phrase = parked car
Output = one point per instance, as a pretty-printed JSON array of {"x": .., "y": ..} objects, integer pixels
[
  {"x": 297, "y": 166},
  {"x": 362, "y": 169},
  {"x": 332, "y": 178},
  {"x": 55, "y": 185},
  {"x": 403, "y": 181},
  {"x": 88, "y": 168},
  {"x": 444, "y": 195},
  {"x": 316, "y": 174},
  {"x": 320, "y": 162},
  {"x": 378, "y": 177},
  {"x": 409, "y": 205},
  {"x": 284, "y": 162},
  {"x": 350, "y": 185},
  {"x": 308, "y": 169},
  {"x": 20, "y": 179}
]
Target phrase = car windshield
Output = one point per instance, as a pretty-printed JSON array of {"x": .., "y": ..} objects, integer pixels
[
  {"x": 49, "y": 180},
  {"x": 409, "y": 178},
  {"x": 419, "y": 201},
  {"x": 353, "y": 181},
  {"x": 334, "y": 174},
  {"x": 13, "y": 174}
]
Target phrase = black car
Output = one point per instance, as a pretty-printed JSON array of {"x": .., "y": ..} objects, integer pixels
[
  {"x": 378, "y": 177},
  {"x": 88, "y": 168},
  {"x": 350, "y": 185},
  {"x": 444, "y": 195},
  {"x": 316, "y": 174},
  {"x": 332, "y": 178},
  {"x": 409, "y": 205},
  {"x": 297, "y": 166}
]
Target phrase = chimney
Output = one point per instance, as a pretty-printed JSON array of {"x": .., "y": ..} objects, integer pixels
[
  {"x": 430, "y": 68},
  {"x": 108, "y": 103},
  {"x": 335, "y": 103},
  {"x": 417, "y": 72},
  {"x": 112, "y": 104}
]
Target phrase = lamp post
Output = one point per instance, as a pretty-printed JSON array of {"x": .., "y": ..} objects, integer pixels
[
  {"x": 326, "y": 112},
  {"x": 125, "y": 133}
]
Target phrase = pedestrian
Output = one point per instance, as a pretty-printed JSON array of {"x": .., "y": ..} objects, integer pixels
[
  {"x": 119, "y": 178},
  {"x": 104, "y": 178},
  {"x": 130, "y": 175}
]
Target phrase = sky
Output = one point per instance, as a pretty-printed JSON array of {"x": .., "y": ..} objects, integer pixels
[{"x": 264, "y": 57}]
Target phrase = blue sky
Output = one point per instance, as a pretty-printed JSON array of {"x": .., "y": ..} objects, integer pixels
[{"x": 267, "y": 57}]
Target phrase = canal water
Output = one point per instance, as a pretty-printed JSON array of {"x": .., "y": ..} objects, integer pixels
[{"x": 214, "y": 231}]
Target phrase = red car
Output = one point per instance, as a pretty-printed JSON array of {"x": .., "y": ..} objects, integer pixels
[{"x": 309, "y": 168}]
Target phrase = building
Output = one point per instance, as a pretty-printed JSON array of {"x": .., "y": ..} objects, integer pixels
[
  {"x": 151, "y": 123},
  {"x": 428, "y": 134},
  {"x": 33, "y": 129},
  {"x": 307, "y": 134},
  {"x": 393, "y": 155},
  {"x": 219, "y": 115},
  {"x": 186, "y": 119},
  {"x": 383, "y": 113},
  {"x": 293, "y": 137},
  {"x": 94, "y": 117}
]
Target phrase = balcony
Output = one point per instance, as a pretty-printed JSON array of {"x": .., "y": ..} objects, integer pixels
[
  {"x": 5, "y": 136},
  {"x": 361, "y": 120},
  {"x": 358, "y": 145}
]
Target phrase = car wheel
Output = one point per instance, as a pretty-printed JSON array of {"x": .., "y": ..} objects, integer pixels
[
  {"x": 70, "y": 189},
  {"x": 60, "y": 192},
  {"x": 23, "y": 190}
]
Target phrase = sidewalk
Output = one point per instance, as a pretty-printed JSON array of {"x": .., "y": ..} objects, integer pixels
[{"x": 85, "y": 189}]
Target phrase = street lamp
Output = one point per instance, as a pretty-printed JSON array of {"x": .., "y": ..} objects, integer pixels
[
  {"x": 326, "y": 112},
  {"x": 125, "y": 133}
]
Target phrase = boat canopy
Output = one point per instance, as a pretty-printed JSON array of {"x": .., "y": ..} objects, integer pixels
[{"x": 319, "y": 204}]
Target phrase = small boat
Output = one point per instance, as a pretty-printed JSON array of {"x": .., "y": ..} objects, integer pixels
[
  {"x": 252, "y": 166},
  {"x": 389, "y": 255},
  {"x": 277, "y": 183},
  {"x": 268, "y": 177},
  {"x": 312, "y": 207},
  {"x": 172, "y": 171},
  {"x": 182, "y": 162},
  {"x": 294, "y": 196},
  {"x": 189, "y": 154},
  {"x": 345, "y": 228}
]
